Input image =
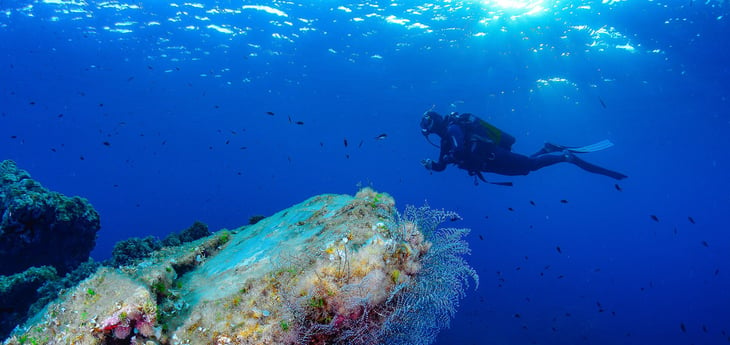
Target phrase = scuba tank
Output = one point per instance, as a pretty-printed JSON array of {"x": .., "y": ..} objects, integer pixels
[{"x": 479, "y": 130}]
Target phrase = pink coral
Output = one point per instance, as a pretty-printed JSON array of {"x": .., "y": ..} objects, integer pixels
[{"x": 125, "y": 320}]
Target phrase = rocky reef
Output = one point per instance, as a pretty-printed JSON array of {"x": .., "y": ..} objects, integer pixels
[
  {"x": 44, "y": 235},
  {"x": 39, "y": 227},
  {"x": 334, "y": 269}
]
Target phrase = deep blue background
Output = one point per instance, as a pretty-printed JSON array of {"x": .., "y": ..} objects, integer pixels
[{"x": 184, "y": 111}]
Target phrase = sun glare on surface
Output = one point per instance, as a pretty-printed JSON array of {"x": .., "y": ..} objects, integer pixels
[{"x": 515, "y": 8}]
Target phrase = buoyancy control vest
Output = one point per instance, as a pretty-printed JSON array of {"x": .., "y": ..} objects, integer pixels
[{"x": 477, "y": 130}]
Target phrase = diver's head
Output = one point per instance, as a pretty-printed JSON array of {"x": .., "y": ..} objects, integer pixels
[{"x": 431, "y": 122}]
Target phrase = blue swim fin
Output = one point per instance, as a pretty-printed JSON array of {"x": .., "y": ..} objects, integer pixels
[
  {"x": 550, "y": 148},
  {"x": 601, "y": 145}
]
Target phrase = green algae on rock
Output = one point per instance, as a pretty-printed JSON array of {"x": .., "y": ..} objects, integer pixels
[{"x": 334, "y": 269}]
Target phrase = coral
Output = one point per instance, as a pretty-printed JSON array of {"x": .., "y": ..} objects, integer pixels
[
  {"x": 39, "y": 227},
  {"x": 128, "y": 321},
  {"x": 130, "y": 251},
  {"x": 425, "y": 305},
  {"x": 19, "y": 291},
  {"x": 196, "y": 231},
  {"x": 334, "y": 269},
  {"x": 51, "y": 287}
]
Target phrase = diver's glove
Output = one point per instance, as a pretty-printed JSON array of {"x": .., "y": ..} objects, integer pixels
[{"x": 427, "y": 163}]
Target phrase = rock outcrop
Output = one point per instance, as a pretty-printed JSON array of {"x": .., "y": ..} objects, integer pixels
[
  {"x": 334, "y": 269},
  {"x": 42, "y": 228}
]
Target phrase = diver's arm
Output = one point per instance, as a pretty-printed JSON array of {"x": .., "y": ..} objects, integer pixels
[
  {"x": 433, "y": 166},
  {"x": 445, "y": 158}
]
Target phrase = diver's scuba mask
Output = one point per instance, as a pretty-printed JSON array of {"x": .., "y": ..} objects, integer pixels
[{"x": 428, "y": 123}]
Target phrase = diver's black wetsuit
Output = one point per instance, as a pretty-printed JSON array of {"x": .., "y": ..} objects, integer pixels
[
  {"x": 485, "y": 156},
  {"x": 462, "y": 146}
]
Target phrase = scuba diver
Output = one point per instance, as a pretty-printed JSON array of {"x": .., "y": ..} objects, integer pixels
[{"x": 476, "y": 146}]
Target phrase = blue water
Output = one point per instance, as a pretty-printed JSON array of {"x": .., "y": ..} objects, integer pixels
[{"x": 180, "y": 92}]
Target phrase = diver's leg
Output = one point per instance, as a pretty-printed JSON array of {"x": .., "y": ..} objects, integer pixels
[
  {"x": 537, "y": 163},
  {"x": 548, "y": 148},
  {"x": 570, "y": 157},
  {"x": 510, "y": 163}
]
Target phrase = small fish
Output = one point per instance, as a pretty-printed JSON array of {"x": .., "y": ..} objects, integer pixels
[
  {"x": 532, "y": 203},
  {"x": 675, "y": 230},
  {"x": 482, "y": 238},
  {"x": 344, "y": 141},
  {"x": 347, "y": 156},
  {"x": 603, "y": 104},
  {"x": 81, "y": 157},
  {"x": 717, "y": 271},
  {"x": 510, "y": 209},
  {"x": 270, "y": 113},
  {"x": 381, "y": 136},
  {"x": 563, "y": 201},
  {"x": 691, "y": 220},
  {"x": 560, "y": 251},
  {"x": 704, "y": 328},
  {"x": 618, "y": 188},
  {"x": 704, "y": 243},
  {"x": 242, "y": 147},
  {"x": 289, "y": 117},
  {"x": 518, "y": 268},
  {"x": 101, "y": 104},
  {"x": 216, "y": 106},
  {"x": 228, "y": 142},
  {"x": 53, "y": 149},
  {"x": 561, "y": 276},
  {"x": 654, "y": 217},
  {"x": 360, "y": 144},
  {"x": 13, "y": 137},
  {"x": 299, "y": 123},
  {"x": 130, "y": 79},
  {"x": 60, "y": 115},
  {"x": 683, "y": 327},
  {"x": 517, "y": 315},
  {"x": 321, "y": 144},
  {"x": 106, "y": 143}
]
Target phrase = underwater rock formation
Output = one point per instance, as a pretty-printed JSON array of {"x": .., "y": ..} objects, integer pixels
[
  {"x": 39, "y": 227},
  {"x": 18, "y": 291},
  {"x": 334, "y": 269}
]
